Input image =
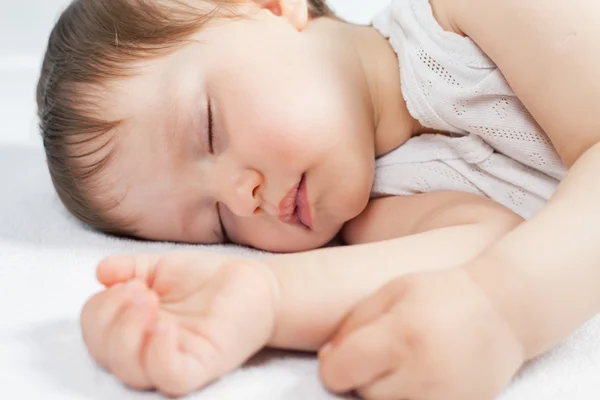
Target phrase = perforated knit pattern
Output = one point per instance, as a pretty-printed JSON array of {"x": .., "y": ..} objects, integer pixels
[{"x": 494, "y": 147}]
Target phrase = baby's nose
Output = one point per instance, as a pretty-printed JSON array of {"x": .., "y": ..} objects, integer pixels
[{"x": 243, "y": 198}]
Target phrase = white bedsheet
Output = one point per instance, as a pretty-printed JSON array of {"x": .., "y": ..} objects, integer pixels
[{"x": 47, "y": 263}]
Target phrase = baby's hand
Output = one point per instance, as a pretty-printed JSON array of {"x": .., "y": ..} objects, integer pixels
[
  {"x": 431, "y": 336},
  {"x": 175, "y": 322}
]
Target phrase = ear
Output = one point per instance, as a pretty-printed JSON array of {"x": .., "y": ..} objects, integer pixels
[{"x": 295, "y": 11}]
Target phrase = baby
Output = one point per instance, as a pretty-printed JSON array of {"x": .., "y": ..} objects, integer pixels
[{"x": 276, "y": 125}]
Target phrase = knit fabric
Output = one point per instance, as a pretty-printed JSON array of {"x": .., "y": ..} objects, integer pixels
[{"x": 493, "y": 147}]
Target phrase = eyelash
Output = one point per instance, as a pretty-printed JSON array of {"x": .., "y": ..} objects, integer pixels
[
  {"x": 211, "y": 149},
  {"x": 210, "y": 127}
]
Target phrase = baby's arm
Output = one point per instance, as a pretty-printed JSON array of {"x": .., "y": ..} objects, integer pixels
[
  {"x": 184, "y": 319},
  {"x": 518, "y": 299},
  {"x": 433, "y": 230},
  {"x": 545, "y": 274}
]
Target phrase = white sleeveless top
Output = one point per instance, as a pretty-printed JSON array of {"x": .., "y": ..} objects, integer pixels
[{"x": 494, "y": 148}]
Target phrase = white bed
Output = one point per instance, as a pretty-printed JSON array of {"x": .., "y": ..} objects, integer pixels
[{"x": 47, "y": 263}]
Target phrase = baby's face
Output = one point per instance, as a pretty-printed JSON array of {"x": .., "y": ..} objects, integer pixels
[{"x": 220, "y": 135}]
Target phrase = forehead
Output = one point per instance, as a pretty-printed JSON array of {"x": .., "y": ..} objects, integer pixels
[
  {"x": 143, "y": 147},
  {"x": 153, "y": 102}
]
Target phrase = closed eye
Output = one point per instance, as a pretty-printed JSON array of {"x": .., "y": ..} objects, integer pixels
[{"x": 209, "y": 127}]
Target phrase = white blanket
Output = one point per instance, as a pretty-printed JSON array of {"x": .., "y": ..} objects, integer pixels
[{"x": 47, "y": 263}]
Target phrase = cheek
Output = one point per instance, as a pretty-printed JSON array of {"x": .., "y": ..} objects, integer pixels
[
  {"x": 296, "y": 129},
  {"x": 277, "y": 112},
  {"x": 268, "y": 133},
  {"x": 295, "y": 121}
]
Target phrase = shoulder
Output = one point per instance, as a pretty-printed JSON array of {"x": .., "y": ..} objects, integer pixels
[
  {"x": 534, "y": 43},
  {"x": 444, "y": 14}
]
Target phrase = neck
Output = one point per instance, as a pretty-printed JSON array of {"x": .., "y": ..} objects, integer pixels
[
  {"x": 394, "y": 124},
  {"x": 379, "y": 71}
]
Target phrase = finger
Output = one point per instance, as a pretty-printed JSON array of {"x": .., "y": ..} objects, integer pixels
[
  {"x": 145, "y": 267},
  {"x": 98, "y": 315},
  {"x": 127, "y": 339},
  {"x": 394, "y": 386},
  {"x": 361, "y": 357},
  {"x": 371, "y": 308},
  {"x": 124, "y": 268},
  {"x": 173, "y": 372}
]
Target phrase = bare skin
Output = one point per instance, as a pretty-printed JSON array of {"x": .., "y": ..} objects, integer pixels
[{"x": 178, "y": 321}]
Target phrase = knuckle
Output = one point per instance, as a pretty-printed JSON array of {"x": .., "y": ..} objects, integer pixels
[{"x": 412, "y": 338}]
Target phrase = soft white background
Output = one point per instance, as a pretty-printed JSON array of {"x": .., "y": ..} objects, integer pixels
[{"x": 24, "y": 27}]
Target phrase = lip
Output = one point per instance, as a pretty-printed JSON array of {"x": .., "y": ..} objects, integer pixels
[
  {"x": 294, "y": 207},
  {"x": 302, "y": 204}
]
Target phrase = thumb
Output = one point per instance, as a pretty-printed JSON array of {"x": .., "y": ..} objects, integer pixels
[
  {"x": 123, "y": 268},
  {"x": 370, "y": 309}
]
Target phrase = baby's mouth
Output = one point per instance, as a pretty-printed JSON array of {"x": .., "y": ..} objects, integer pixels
[{"x": 294, "y": 208}]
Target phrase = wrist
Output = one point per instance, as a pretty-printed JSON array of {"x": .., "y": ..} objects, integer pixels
[
  {"x": 272, "y": 287},
  {"x": 507, "y": 293},
  {"x": 308, "y": 307},
  {"x": 275, "y": 290}
]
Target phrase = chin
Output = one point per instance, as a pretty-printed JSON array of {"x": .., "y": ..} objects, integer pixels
[{"x": 357, "y": 205}]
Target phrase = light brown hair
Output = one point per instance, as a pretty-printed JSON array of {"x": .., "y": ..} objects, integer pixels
[{"x": 94, "y": 43}]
